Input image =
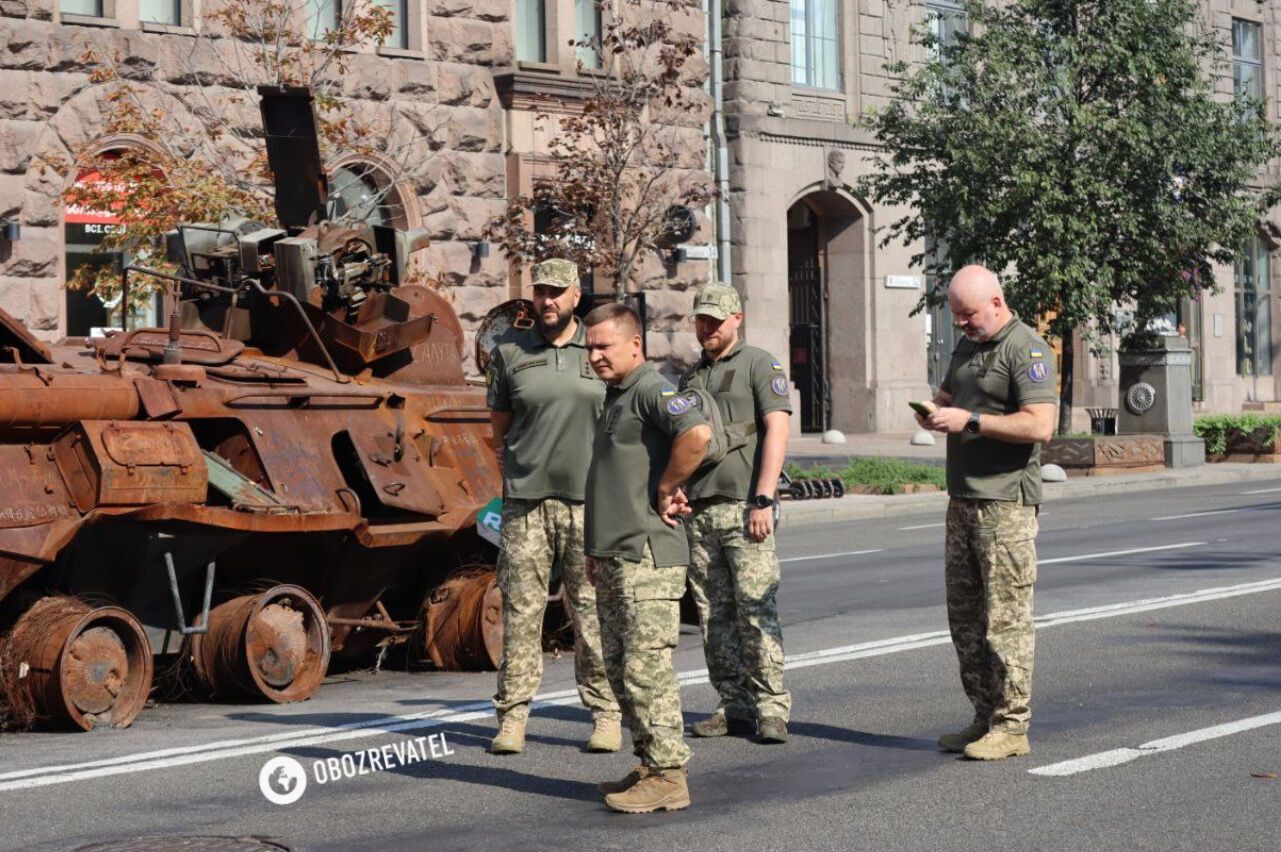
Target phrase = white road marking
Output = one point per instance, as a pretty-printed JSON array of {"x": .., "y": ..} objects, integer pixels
[
  {"x": 221, "y": 749},
  {"x": 924, "y": 526},
  {"x": 1262, "y": 491},
  {"x": 831, "y": 555},
  {"x": 1196, "y": 515},
  {"x": 1117, "y": 756},
  {"x": 1085, "y": 556}
]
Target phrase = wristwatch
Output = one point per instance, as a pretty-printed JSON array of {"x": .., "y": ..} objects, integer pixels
[
  {"x": 760, "y": 501},
  {"x": 972, "y": 425}
]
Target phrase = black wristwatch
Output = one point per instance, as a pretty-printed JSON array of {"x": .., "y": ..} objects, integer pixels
[
  {"x": 972, "y": 425},
  {"x": 760, "y": 501}
]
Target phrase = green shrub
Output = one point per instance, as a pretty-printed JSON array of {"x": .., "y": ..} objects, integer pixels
[
  {"x": 1215, "y": 429},
  {"x": 885, "y": 475}
]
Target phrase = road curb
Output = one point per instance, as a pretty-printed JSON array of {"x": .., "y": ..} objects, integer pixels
[{"x": 855, "y": 507}]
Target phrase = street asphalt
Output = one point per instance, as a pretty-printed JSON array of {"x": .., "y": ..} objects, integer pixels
[{"x": 1157, "y": 718}]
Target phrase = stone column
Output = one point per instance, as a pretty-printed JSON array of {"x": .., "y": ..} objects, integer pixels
[{"x": 1156, "y": 397}]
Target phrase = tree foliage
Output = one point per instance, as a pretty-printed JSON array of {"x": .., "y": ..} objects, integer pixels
[
  {"x": 205, "y": 161},
  {"x": 632, "y": 149},
  {"x": 1079, "y": 148}
]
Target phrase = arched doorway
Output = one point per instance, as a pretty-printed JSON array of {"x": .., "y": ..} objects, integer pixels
[{"x": 826, "y": 272}]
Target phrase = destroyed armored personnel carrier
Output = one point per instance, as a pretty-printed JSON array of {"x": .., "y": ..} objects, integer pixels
[{"x": 291, "y": 470}]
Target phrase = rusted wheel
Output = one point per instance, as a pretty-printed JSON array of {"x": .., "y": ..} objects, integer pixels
[
  {"x": 272, "y": 645},
  {"x": 463, "y": 622},
  {"x": 76, "y": 665}
]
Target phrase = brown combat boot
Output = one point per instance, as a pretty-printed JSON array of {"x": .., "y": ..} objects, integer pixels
[
  {"x": 660, "y": 789},
  {"x": 510, "y": 738},
  {"x": 957, "y": 742},
  {"x": 607, "y": 787},
  {"x": 607, "y": 735},
  {"x": 772, "y": 730},
  {"x": 998, "y": 745},
  {"x": 717, "y": 725}
]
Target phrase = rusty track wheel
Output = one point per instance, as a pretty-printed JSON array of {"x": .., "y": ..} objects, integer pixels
[
  {"x": 76, "y": 665},
  {"x": 272, "y": 645},
  {"x": 463, "y": 622}
]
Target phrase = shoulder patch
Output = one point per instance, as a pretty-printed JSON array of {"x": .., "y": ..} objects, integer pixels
[
  {"x": 779, "y": 385},
  {"x": 1038, "y": 372},
  {"x": 666, "y": 391},
  {"x": 677, "y": 405},
  {"x": 775, "y": 365},
  {"x": 1036, "y": 353}
]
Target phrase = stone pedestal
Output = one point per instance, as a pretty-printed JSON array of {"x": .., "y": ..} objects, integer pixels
[{"x": 1156, "y": 397}]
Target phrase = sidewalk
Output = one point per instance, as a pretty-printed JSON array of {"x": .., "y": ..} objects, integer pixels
[{"x": 809, "y": 450}]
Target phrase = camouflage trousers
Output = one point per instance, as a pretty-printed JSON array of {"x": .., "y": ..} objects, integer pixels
[
  {"x": 734, "y": 581},
  {"x": 639, "y": 606},
  {"x": 990, "y": 568},
  {"x": 536, "y": 535}
]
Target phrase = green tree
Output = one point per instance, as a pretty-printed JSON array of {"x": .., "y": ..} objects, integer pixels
[{"x": 1077, "y": 147}]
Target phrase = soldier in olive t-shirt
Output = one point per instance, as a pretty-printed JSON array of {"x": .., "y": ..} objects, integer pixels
[
  {"x": 996, "y": 405},
  {"x": 544, "y": 399},
  {"x": 733, "y": 569}
]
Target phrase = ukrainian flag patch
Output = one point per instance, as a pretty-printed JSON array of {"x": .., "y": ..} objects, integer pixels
[
  {"x": 1037, "y": 353},
  {"x": 776, "y": 365}
]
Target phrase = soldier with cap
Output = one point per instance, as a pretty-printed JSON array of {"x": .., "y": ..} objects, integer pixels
[
  {"x": 733, "y": 569},
  {"x": 544, "y": 400},
  {"x": 996, "y": 404},
  {"x": 648, "y": 441}
]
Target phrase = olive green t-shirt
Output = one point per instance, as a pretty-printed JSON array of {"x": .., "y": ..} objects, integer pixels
[
  {"x": 642, "y": 416},
  {"x": 747, "y": 383},
  {"x": 999, "y": 376},
  {"x": 555, "y": 398}
]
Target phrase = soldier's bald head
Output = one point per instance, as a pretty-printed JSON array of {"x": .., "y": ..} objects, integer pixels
[{"x": 977, "y": 302}]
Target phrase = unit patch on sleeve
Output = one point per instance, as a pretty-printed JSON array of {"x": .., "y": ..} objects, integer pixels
[
  {"x": 677, "y": 405},
  {"x": 779, "y": 385},
  {"x": 1038, "y": 372}
]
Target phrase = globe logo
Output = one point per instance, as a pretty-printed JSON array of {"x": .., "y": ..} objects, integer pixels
[{"x": 282, "y": 780}]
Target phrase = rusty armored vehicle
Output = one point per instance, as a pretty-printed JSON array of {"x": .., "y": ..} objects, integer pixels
[{"x": 290, "y": 470}]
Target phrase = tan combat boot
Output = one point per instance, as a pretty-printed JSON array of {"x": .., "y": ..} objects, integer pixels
[
  {"x": 607, "y": 735},
  {"x": 998, "y": 745},
  {"x": 957, "y": 742},
  {"x": 510, "y": 738},
  {"x": 660, "y": 789},
  {"x": 631, "y": 778},
  {"x": 717, "y": 725}
]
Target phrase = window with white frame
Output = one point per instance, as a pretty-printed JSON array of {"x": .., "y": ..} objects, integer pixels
[
  {"x": 945, "y": 20},
  {"x": 1253, "y": 285},
  {"x": 322, "y": 16},
  {"x": 531, "y": 31},
  {"x": 160, "y": 12},
  {"x": 93, "y": 8},
  {"x": 587, "y": 29},
  {"x": 816, "y": 44},
  {"x": 399, "y": 9},
  {"x": 1247, "y": 59}
]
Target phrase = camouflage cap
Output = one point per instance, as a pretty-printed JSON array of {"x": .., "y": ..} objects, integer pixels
[
  {"x": 717, "y": 300},
  {"x": 556, "y": 273}
]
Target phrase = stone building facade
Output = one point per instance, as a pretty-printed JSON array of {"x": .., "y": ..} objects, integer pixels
[
  {"x": 799, "y": 73},
  {"x": 451, "y": 72}
]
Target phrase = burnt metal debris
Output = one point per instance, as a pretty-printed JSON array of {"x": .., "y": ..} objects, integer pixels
[{"x": 289, "y": 471}]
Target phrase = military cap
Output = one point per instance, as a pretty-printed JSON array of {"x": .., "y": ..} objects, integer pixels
[
  {"x": 556, "y": 273},
  {"x": 717, "y": 300}
]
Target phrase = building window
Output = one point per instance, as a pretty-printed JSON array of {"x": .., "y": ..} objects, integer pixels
[
  {"x": 945, "y": 20},
  {"x": 587, "y": 29},
  {"x": 815, "y": 44},
  {"x": 531, "y": 31},
  {"x": 322, "y": 16},
  {"x": 92, "y": 8},
  {"x": 1247, "y": 59},
  {"x": 160, "y": 12},
  {"x": 399, "y": 9},
  {"x": 1253, "y": 287}
]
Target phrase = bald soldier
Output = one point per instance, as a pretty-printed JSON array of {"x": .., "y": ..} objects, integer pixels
[
  {"x": 648, "y": 442},
  {"x": 997, "y": 405},
  {"x": 544, "y": 399}
]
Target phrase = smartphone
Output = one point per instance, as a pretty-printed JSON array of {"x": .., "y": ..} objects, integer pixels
[{"x": 925, "y": 409}]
